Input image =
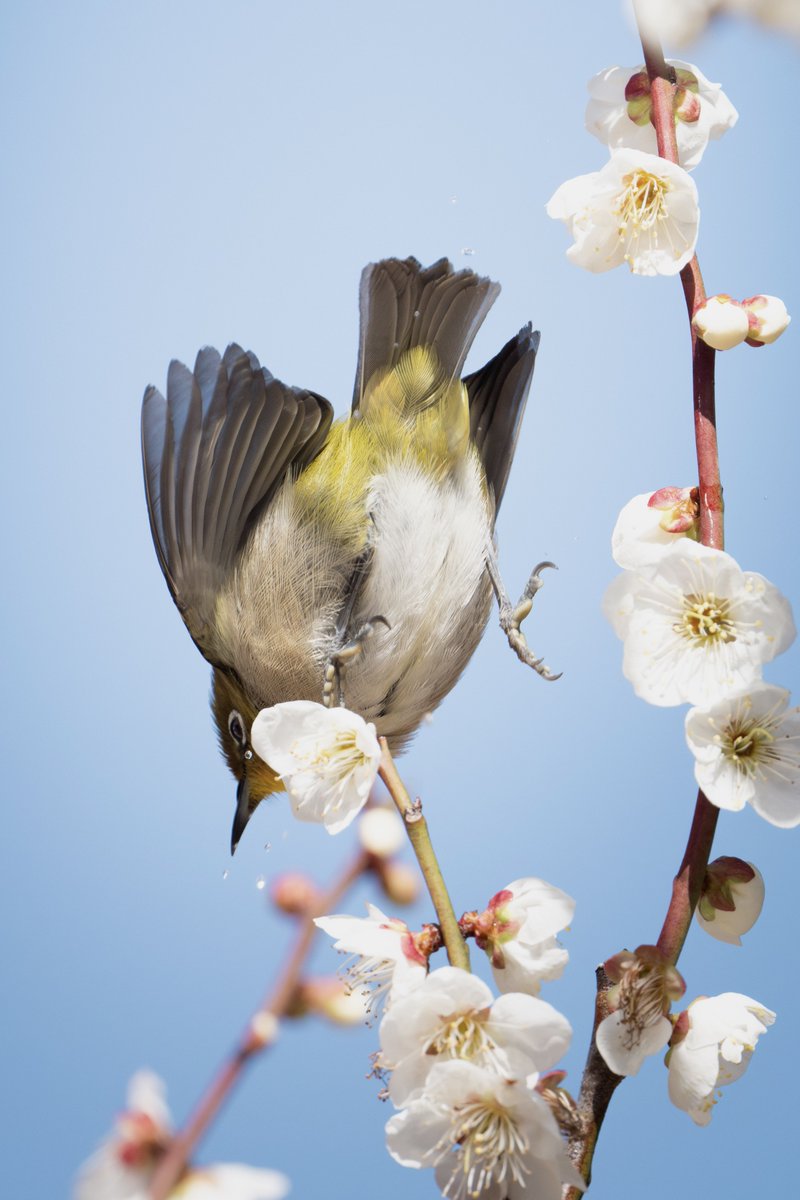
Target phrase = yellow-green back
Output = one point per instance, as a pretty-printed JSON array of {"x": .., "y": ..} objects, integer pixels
[{"x": 410, "y": 412}]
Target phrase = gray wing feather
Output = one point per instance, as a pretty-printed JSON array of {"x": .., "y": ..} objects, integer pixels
[
  {"x": 214, "y": 452},
  {"x": 497, "y": 396},
  {"x": 404, "y": 305}
]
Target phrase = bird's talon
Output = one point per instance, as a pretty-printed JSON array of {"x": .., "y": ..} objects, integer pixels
[{"x": 512, "y": 616}]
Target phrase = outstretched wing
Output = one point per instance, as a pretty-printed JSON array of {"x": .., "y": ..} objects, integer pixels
[
  {"x": 214, "y": 453},
  {"x": 404, "y": 305},
  {"x": 497, "y": 396}
]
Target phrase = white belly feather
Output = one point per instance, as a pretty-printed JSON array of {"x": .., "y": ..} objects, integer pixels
[{"x": 427, "y": 578}]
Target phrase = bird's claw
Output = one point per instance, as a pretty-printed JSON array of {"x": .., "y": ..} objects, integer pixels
[{"x": 512, "y": 616}]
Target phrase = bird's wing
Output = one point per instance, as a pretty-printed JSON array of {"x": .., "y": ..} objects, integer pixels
[
  {"x": 214, "y": 453},
  {"x": 497, "y": 396},
  {"x": 404, "y": 305}
]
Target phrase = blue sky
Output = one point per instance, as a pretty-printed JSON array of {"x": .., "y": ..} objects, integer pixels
[{"x": 185, "y": 174}]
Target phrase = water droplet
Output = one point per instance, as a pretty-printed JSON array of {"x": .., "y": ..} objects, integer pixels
[
  {"x": 261, "y": 883},
  {"x": 285, "y": 834},
  {"x": 454, "y": 199},
  {"x": 268, "y": 846},
  {"x": 416, "y": 314},
  {"x": 468, "y": 250},
  {"x": 225, "y": 874}
]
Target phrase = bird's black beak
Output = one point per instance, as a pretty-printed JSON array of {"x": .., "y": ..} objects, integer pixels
[{"x": 242, "y": 815}]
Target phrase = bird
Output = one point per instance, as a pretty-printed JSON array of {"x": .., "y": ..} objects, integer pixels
[{"x": 345, "y": 561}]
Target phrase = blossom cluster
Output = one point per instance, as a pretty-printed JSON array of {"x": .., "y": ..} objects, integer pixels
[
  {"x": 710, "y": 1043},
  {"x": 641, "y": 209},
  {"x": 468, "y": 1071},
  {"x": 698, "y": 629}
]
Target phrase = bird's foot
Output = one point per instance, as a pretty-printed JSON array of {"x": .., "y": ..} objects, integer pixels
[
  {"x": 512, "y": 615},
  {"x": 333, "y": 684}
]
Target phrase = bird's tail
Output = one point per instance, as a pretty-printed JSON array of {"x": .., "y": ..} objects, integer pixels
[{"x": 404, "y": 305}]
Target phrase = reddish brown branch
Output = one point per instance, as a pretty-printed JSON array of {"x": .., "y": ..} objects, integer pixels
[
  {"x": 252, "y": 1041},
  {"x": 598, "y": 1082}
]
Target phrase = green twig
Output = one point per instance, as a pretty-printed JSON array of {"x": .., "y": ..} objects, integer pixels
[{"x": 418, "y": 835}]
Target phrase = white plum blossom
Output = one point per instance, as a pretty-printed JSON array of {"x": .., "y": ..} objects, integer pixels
[
  {"x": 695, "y": 626},
  {"x": 767, "y": 319},
  {"x": 620, "y": 108},
  {"x": 652, "y": 521},
  {"x": 453, "y": 1014},
  {"x": 712, "y": 1047},
  {"x": 327, "y": 758},
  {"x": 675, "y": 22},
  {"x": 486, "y": 1135},
  {"x": 731, "y": 901},
  {"x": 721, "y": 322},
  {"x": 747, "y": 751},
  {"x": 123, "y": 1166},
  {"x": 645, "y": 984},
  {"x": 639, "y": 209},
  {"x": 518, "y": 932},
  {"x": 388, "y": 962},
  {"x": 680, "y": 21}
]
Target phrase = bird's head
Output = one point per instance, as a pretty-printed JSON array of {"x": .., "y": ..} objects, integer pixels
[{"x": 234, "y": 714}]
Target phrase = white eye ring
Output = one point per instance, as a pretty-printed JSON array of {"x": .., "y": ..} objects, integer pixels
[{"x": 236, "y": 727}]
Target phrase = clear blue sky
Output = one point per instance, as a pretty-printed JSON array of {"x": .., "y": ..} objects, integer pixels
[{"x": 178, "y": 174}]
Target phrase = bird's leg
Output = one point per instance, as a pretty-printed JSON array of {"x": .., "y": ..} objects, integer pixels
[
  {"x": 332, "y": 688},
  {"x": 512, "y": 615},
  {"x": 350, "y": 648}
]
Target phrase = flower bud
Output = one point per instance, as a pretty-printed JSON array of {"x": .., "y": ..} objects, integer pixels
[
  {"x": 399, "y": 881},
  {"x": 263, "y": 1029},
  {"x": 731, "y": 900},
  {"x": 381, "y": 832},
  {"x": 680, "y": 507},
  {"x": 721, "y": 322},
  {"x": 295, "y": 894},
  {"x": 330, "y": 997},
  {"x": 767, "y": 317}
]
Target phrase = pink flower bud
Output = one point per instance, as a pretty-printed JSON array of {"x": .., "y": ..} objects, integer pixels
[
  {"x": 681, "y": 508},
  {"x": 294, "y": 894},
  {"x": 767, "y": 317},
  {"x": 721, "y": 322}
]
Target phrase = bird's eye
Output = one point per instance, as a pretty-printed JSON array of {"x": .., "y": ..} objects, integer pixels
[{"x": 236, "y": 727}]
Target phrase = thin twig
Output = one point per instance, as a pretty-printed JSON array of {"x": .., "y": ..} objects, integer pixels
[
  {"x": 418, "y": 835},
  {"x": 253, "y": 1040}
]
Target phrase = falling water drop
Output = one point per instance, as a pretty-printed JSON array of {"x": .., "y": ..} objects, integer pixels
[
  {"x": 225, "y": 874},
  {"x": 261, "y": 883}
]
